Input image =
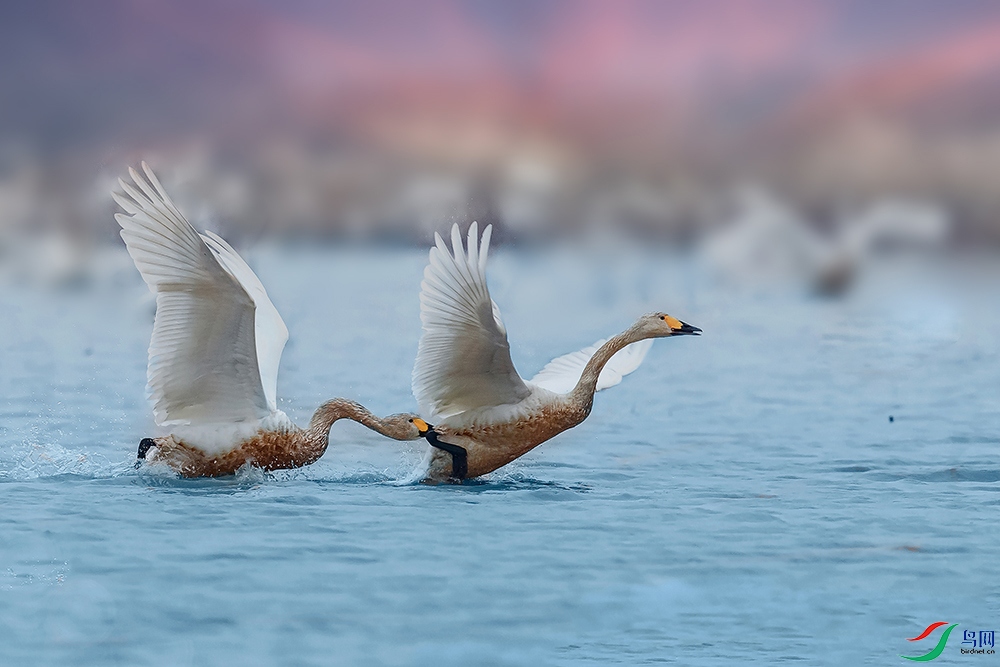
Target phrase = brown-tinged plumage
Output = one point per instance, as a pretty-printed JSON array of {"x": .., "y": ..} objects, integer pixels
[
  {"x": 484, "y": 414},
  {"x": 277, "y": 449},
  {"x": 215, "y": 350}
]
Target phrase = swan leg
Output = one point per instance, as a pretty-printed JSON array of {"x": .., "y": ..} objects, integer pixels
[{"x": 144, "y": 446}]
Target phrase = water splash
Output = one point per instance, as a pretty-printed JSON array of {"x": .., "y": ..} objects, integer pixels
[{"x": 35, "y": 460}]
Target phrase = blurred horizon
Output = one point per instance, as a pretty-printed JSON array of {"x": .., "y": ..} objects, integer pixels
[{"x": 388, "y": 121}]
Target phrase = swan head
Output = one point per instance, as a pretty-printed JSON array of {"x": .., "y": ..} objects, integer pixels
[
  {"x": 661, "y": 325},
  {"x": 402, "y": 426},
  {"x": 422, "y": 427}
]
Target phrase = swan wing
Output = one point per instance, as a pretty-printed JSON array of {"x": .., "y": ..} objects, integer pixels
[
  {"x": 562, "y": 373},
  {"x": 463, "y": 361},
  {"x": 203, "y": 365},
  {"x": 270, "y": 331}
]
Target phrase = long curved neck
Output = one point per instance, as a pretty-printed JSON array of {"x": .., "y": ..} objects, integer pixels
[
  {"x": 312, "y": 442},
  {"x": 342, "y": 408},
  {"x": 583, "y": 393}
]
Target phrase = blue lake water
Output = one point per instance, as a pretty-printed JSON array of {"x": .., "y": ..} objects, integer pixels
[{"x": 742, "y": 498}]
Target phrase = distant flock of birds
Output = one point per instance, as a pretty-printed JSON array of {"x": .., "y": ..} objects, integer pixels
[{"x": 217, "y": 342}]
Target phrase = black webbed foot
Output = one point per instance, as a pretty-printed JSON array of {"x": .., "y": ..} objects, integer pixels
[{"x": 144, "y": 446}]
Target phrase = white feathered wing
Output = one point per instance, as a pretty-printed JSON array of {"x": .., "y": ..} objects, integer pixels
[
  {"x": 562, "y": 373},
  {"x": 217, "y": 338},
  {"x": 463, "y": 361}
]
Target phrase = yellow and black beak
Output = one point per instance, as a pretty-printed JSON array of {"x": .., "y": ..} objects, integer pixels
[
  {"x": 684, "y": 329},
  {"x": 423, "y": 428}
]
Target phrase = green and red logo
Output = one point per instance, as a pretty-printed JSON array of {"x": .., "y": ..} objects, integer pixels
[
  {"x": 936, "y": 651},
  {"x": 981, "y": 642}
]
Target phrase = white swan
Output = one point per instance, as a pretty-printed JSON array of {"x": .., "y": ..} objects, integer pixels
[
  {"x": 213, "y": 358},
  {"x": 769, "y": 242},
  {"x": 485, "y": 415}
]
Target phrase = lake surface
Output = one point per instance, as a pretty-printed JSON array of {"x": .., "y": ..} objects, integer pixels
[{"x": 743, "y": 497}]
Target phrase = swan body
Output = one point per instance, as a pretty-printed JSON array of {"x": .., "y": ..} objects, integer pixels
[
  {"x": 215, "y": 350},
  {"x": 273, "y": 444},
  {"x": 465, "y": 382}
]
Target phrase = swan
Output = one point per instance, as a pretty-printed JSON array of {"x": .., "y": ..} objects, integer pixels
[
  {"x": 214, "y": 354},
  {"x": 770, "y": 242},
  {"x": 484, "y": 414}
]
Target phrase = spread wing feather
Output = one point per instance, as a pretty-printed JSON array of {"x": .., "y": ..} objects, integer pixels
[
  {"x": 207, "y": 351},
  {"x": 562, "y": 373},
  {"x": 270, "y": 332},
  {"x": 463, "y": 361}
]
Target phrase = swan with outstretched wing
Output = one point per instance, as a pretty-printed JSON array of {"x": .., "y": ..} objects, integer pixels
[
  {"x": 215, "y": 350},
  {"x": 484, "y": 414}
]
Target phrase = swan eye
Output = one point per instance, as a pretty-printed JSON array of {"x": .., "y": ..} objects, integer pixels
[{"x": 663, "y": 317}]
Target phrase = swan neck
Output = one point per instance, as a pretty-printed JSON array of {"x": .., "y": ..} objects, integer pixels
[
  {"x": 336, "y": 409},
  {"x": 583, "y": 393},
  {"x": 342, "y": 408}
]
